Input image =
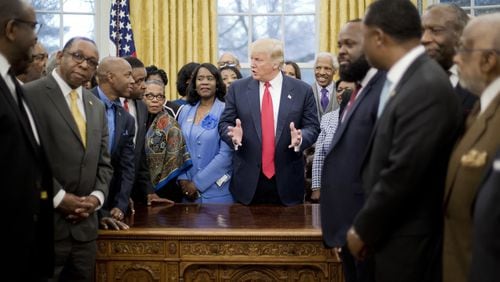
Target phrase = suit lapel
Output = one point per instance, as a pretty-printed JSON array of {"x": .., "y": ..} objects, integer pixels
[
  {"x": 56, "y": 96},
  {"x": 26, "y": 127},
  {"x": 286, "y": 103},
  {"x": 472, "y": 135},
  {"x": 253, "y": 98}
]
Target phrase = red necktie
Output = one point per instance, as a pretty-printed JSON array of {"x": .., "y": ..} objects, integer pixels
[
  {"x": 125, "y": 105},
  {"x": 351, "y": 101},
  {"x": 267, "y": 122}
]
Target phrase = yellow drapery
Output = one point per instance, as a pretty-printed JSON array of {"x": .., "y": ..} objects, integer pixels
[
  {"x": 334, "y": 14},
  {"x": 171, "y": 33}
]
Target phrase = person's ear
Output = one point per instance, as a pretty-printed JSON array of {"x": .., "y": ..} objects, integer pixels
[
  {"x": 10, "y": 30},
  {"x": 489, "y": 61}
]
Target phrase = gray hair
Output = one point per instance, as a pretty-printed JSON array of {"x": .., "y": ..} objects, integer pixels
[{"x": 333, "y": 58}]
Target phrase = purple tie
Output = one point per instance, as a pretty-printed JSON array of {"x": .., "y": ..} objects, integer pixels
[{"x": 324, "y": 98}]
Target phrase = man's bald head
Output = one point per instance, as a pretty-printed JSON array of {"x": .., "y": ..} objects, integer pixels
[{"x": 115, "y": 77}]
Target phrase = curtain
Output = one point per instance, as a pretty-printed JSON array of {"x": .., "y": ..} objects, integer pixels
[
  {"x": 334, "y": 14},
  {"x": 171, "y": 33}
]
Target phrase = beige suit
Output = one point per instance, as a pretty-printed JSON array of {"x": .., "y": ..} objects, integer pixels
[{"x": 466, "y": 168}]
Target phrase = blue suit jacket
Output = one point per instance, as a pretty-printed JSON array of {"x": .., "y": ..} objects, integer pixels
[
  {"x": 341, "y": 191},
  {"x": 211, "y": 156},
  {"x": 297, "y": 104},
  {"x": 122, "y": 160}
]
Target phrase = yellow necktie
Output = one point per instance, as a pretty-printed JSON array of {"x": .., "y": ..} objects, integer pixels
[{"x": 77, "y": 115}]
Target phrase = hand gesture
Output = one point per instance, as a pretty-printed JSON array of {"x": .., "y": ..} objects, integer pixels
[
  {"x": 236, "y": 134},
  {"x": 295, "y": 137}
]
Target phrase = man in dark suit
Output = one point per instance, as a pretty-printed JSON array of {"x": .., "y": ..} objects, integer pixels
[
  {"x": 404, "y": 170},
  {"x": 486, "y": 231},
  {"x": 27, "y": 198},
  {"x": 341, "y": 192},
  {"x": 72, "y": 126},
  {"x": 114, "y": 77},
  {"x": 268, "y": 162},
  {"x": 442, "y": 25}
]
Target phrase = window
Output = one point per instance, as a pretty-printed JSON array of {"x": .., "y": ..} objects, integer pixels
[
  {"x": 63, "y": 19},
  {"x": 240, "y": 22},
  {"x": 477, "y": 7}
]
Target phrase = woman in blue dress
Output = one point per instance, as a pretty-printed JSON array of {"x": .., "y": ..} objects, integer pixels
[{"x": 208, "y": 179}]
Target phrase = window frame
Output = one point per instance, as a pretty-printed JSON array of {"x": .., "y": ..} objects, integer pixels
[{"x": 472, "y": 8}]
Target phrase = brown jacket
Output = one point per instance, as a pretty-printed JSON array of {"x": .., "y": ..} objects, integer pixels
[{"x": 466, "y": 168}]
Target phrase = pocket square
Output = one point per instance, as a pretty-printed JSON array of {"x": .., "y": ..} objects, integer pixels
[{"x": 474, "y": 158}]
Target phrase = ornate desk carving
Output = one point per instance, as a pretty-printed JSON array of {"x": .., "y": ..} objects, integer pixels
[{"x": 218, "y": 243}]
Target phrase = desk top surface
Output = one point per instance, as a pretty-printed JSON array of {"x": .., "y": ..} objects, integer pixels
[{"x": 234, "y": 218}]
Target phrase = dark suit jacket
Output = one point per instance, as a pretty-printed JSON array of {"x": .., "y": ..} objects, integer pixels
[
  {"x": 485, "y": 245},
  {"x": 297, "y": 104},
  {"x": 122, "y": 160},
  {"x": 404, "y": 174},
  {"x": 341, "y": 191},
  {"x": 27, "y": 216},
  {"x": 76, "y": 169},
  {"x": 467, "y": 100},
  {"x": 142, "y": 184}
]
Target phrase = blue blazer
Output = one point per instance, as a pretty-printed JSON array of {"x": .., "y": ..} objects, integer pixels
[
  {"x": 298, "y": 105},
  {"x": 341, "y": 190},
  {"x": 211, "y": 157},
  {"x": 122, "y": 160}
]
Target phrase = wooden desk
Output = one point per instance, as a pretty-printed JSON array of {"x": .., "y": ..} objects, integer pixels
[{"x": 218, "y": 243}]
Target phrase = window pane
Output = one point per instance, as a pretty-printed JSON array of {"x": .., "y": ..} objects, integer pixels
[
  {"x": 46, "y": 5},
  {"x": 266, "y": 6},
  {"x": 232, "y": 6},
  {"x": 266, "y": 26},
  {"x": 300, "y": 45},
  {"x": 233, "y": 36},
  {"x": 78, "y": 25},
  {"x": 80, "y": 6},
  {"x": 487, "y": 2},
  {"x": 307, "y": 75},
  {"x": 486, "y": 11},
  {"x": 458, "y": 2},
  {"x": 300, "y": 6},
  {"x": 49, "y": 33}
]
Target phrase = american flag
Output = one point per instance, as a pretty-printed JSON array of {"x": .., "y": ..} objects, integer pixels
[{"x": 120, "y": 29}]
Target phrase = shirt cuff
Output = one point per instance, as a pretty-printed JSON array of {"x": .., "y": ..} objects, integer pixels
[
  {"x": 58, "y": 198},
  {"x": 100, "y": 196}
]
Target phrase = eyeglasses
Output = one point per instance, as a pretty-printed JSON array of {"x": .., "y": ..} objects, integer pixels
[
  {"x": 34, "y": 25},
  {"x": 40, "y": 57},
  {"x": 226, "y": 64},
  {"x": 79, "y": 58},
  {"x": 151, "y": 97},
  {"x": 462, "y": 49}
]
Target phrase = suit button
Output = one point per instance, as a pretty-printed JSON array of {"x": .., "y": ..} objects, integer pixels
[
  {"x": 199, "y": 142},
  {"x": 199, "y": 156}
]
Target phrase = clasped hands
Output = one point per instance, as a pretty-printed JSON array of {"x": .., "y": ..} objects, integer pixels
[
  {"x": 77, "y": 208},
  {"x": 236, "y": 134},
  {"x": 189, "y": 189}
]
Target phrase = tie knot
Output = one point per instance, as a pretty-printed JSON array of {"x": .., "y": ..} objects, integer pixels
[
  {"x": 324, "y": 91},
  {"x": 267, "y": 84},
  {"x": 73, "y": 95}
]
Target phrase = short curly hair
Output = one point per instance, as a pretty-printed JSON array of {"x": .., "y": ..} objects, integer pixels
[{"x": 153, "y": 70}]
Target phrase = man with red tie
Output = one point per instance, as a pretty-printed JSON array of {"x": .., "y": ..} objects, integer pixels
[{"x": 268, "y": 144}]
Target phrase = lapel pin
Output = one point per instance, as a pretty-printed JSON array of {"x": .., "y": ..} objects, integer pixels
[
  {"x": 90, "y": 102},
  {"x": 289, "y": 97}
]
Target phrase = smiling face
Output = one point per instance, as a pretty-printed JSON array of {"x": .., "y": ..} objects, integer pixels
[
  {"x": 439, "y": 37},
  {"x": 73, "y": 72},
  {"x": 324, "y": 71},
  {"x": 228, "y": 76}
]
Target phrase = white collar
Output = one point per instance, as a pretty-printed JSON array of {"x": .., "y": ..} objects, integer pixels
[
  {"x": 397, "y": 70},
  {"x": 489, "y": 94}
]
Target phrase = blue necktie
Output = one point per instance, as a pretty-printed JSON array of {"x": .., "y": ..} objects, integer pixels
[
  {"x": 384, "y": 97},
  {"x": 324, "y": 98}
]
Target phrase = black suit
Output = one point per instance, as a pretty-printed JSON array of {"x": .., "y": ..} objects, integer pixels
[
  {"x": 486, "y": 246},
  {"x": 26, "y": 203},
  {"x": 341, "y": 192},
  {"x": 122, "y": 160},
  {"x": 467, "y": 101},
  {"x": 404, "y": 175}
]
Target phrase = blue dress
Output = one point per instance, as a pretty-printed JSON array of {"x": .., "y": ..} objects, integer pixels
[{"x": 212, "y": 158}]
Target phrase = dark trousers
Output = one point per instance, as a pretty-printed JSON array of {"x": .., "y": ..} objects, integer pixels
[
  {"x": 356, "y": 271},
  {"x": 266, "y": 192},
  {"x": 75, "y": 261}
]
